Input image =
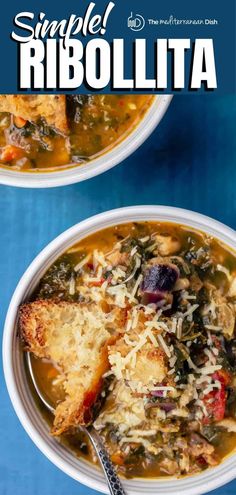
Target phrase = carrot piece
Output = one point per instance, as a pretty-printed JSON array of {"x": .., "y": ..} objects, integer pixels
[
  {"x": 98, "y": 283},
  {"x": 52, "y": 373},
  {"x": 19, "y": 122},
  {"x": 10, "y": 153},
  {"x": 117, "y": 458}
]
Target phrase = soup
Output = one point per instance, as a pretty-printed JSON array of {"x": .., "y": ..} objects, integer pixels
[
  {"x": 48, "y": 132},
  {"x": 133, "y": 330}
]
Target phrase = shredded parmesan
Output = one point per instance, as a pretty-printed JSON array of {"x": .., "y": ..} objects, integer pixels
[
  {"x": 144, "y": 239},
  {"x": 190, "y": 310},
  {"x": 133, "y": 251},
  {"x": 201, "y": 404},
  {"x": 137, "y": 284},
  {"x": 141, "y": 440},
  {"x": 137, "y": 265},
  {"x": 164, "y": 345},
  {"x": 152, "y": 247},
  {"x": 207, "y": 370},
  {"x": 179, "y": 328},
  {"x": 99, "y": 258},
  {"x": 72, "y": 286},
  {"x": 82, "y": 263},
  {"x": 172, "y": 361},
  {"x": 191, "y": 364},
  {"x": 143, "y": 433},
  {"x": 215, "y": 328},
  {"x": 224, "y": 270},
  {"x": 210, "y": 308}
]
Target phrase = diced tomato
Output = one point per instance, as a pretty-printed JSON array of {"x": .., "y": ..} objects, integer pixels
[
  {"x": 223, "y": 376},
  {"x": 118, "y": 458},
  {"x": 121, "y": 103},
  {"x": 10, "y": 153},
  {"x": 90, "y": 266},
  {"x": 19, "y": 122},
  {"x": 216, "y": 407},
  {"x": 201, "y": 461},
  {"x": 98, "y": 283}
]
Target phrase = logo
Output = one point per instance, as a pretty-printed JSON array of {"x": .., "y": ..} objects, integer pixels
[{"x": 136, "y": 22}]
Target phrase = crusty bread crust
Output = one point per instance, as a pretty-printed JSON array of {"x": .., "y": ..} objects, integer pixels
[
  {"x": 76, "y": 337},
  {"x": 32, "y": 107}
]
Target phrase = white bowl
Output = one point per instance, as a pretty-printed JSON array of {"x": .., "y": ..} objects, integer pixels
[
  {"x": 99, "y": 165},
  {"x": 14, "y": 370}
]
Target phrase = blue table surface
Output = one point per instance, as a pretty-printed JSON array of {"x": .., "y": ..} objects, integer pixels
[{"x": 189, "y": 162}]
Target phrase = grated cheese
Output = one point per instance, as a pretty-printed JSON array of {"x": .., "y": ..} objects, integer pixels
[
  {"x": 201, "y": 404},
  {"x": 163, "y": 345},
  {"x": 191, "y": 364},
  {"x": 213, "y": 327},
  {"x": 203, "y": 379},
  {"x": 187, "y": 296},
  {"x": 137, "y": 284},
  {"x": 144, "y": 239},
  {"x": 211, "y": 387},
  {"x": 152, "y": 337},
  {"x": 135, "y": 319},
  {"x": 210, "y": 355},
  {"x": 144, "y": 433},
  {"x": 163, "y": 389},
  {"x": 82, "y": 263},
  {"x": 210, "y": 308},
  {"x": 133, "y": 251},
  {"x": 94, "y": 279},
  {"x": 179, "y": 328},
  {"x": 128, "y": 325},
  {"x": 120, "y": 293},
  {"x": 72, "y": 286},
  {"x": 141, "y": 440},
  {"x": 151, "y": 248},
  {"x": 99, "y": 258},
  {"x": 137, "y": 265},
  {"x": 224, "y": 270},
  {"x": 118, "y": 273},
  {"x": 190, "y": 310},
  {"x": 207, "y": 370},
  {"x": 174, "y": 325},
  {"x": 128, "y": 341},
  {"x": 209, "y": 339}
]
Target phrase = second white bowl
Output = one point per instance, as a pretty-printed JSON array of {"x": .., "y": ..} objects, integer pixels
[
  {"x": 16, "y": 379},
  {"x": 98, "y": 165}
]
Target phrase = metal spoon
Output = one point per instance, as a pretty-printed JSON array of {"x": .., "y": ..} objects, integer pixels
[{"x": 112, "y": 479}]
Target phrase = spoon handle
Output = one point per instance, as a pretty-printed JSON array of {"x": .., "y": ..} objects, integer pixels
[{"x": 113, "y": 481}]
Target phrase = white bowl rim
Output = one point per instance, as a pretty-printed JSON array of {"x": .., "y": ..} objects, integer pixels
[
  {"x": 191, "y": 485},
  {"x": 97, "y": 166}
]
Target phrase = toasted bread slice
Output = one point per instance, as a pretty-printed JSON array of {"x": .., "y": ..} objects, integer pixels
[
  {"x": 32, "y": 107},
  {"x": 74, "y": 336}
]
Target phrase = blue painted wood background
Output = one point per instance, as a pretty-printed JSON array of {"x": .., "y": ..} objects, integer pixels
[{"x": 189, "y": 161}]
